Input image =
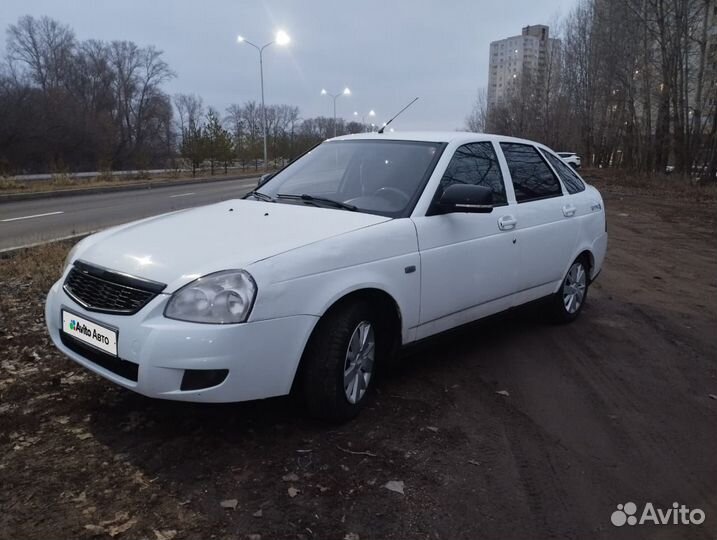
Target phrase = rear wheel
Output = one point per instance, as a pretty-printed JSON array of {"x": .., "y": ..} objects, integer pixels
[
  {"x": 340, "y": 361},
  {"x": 568, "y": 302}
]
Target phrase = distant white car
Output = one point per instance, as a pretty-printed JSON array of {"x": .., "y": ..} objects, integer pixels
[
  {"x": 571, "y": 158},
  {"x": 363, "y": 245}
]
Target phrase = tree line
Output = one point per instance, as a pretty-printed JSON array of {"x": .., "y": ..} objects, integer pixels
[
  {"x": 633, "y": 84},
  {"x": 68, "y": 105},
  {"x": 238, "y": 137},
  {"x": 80, "y": 105}
]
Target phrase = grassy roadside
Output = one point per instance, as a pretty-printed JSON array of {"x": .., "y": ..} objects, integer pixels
[
  {"x": 10, "y": 186},
  {"x": 35, "y": 269}
]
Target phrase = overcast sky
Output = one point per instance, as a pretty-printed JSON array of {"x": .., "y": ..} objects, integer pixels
[{"x": 386, "y": 51}]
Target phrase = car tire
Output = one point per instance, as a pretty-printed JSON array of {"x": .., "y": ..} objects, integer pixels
[
  {"x": 339, "y": 364},
  {"x": 570, "y": 299}
]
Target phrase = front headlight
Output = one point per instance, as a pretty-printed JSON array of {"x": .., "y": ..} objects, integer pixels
[{"x": 221, "y": 298}]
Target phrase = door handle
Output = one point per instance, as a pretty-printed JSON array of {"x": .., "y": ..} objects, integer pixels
[
  {"x": 506, "y": 223},
  {"x": 569, "y": 210}
]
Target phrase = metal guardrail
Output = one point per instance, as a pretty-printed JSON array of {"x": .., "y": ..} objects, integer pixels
[{"x": 94, "y": 174}]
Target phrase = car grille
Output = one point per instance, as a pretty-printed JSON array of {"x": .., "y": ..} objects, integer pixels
[
  {"x": 105, "y": 291},
  {"x": 123, "y": 368}
]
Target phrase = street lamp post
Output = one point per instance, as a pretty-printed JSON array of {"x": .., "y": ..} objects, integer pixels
[
  {"x": 346, "y": 92},
  {"x": 371, "y": 114},
  {"x": 282, "y": 38}
]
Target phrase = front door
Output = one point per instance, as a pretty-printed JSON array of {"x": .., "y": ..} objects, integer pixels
[{"x": 469, "y": 262}]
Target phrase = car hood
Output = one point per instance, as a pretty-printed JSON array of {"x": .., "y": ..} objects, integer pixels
[{"x": 178, "y": 247}]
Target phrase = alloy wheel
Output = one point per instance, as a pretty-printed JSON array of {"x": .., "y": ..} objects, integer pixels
[
  {"x": 358, "y": 365},
  {"x": 574, "y": 288}
]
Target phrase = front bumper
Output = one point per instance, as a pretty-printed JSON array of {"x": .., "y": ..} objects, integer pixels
[{"x": 261, "y": 356}]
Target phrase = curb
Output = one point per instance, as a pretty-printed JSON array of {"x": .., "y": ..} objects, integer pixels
[{"x": 14, "y": 197}]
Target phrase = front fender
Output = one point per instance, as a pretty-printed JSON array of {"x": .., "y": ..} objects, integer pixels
[{"x": 309, "y": 280}]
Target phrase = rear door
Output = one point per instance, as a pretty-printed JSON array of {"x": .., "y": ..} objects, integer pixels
[
  {"x": 546, "y": 231},
  {"x": 467, "y": 260}
]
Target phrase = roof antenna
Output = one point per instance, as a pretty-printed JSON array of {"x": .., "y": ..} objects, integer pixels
[{"x": 399, "y": 112}]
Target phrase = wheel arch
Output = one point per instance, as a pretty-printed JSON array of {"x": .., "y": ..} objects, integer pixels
[
  {"x": 587, "y": 256},
  {"x": 386, "y": 306}
]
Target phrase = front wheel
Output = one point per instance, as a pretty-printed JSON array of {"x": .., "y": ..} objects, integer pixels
[
  {"x": 340, "y": 362},
  {"x": 570, "y": 298}
]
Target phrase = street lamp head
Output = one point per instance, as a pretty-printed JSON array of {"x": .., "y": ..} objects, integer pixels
[
  {"x": 240, "y": 39},
  {"x": 323, "y": 91},
  {"x": 372, "y": 113},
  {"x": 347, "y": 92},
  {"x": 282, "y": 38},
  {"x": 355, "y": 113}
]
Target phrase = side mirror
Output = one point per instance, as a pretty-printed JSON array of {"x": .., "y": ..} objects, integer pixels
[
  {"x": 466, "y": 198},
  {"x": 264, "y": 179}
]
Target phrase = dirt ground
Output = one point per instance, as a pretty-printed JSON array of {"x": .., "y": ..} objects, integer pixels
[{"x": 511, "y": 428}]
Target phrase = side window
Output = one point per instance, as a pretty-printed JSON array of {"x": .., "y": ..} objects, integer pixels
[
  {"x": 532, "y": 178},
  {"x": 571, "y": 180},
  {"x": 476, "y": 164}
]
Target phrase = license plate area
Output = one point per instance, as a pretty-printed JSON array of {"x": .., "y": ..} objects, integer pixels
[{"x": 89, "y": 332}]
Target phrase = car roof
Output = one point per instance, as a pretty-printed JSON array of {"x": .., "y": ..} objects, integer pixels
[{"x": 458, "y": 137}]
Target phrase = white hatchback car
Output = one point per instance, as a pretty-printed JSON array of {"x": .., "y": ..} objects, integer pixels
[
  {"x": 362, "y": 245},
  {"x": 571, "y": 158}
]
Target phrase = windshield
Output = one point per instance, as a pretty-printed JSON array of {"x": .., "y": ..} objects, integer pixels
[{"x": 383, "y": 177}]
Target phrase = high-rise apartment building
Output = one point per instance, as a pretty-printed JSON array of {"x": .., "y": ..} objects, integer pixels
[{"x": 514, "y": 58}]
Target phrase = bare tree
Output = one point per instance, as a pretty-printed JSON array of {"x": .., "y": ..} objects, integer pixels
[
  {"x": 139, "y": 72},
  {"x": 632, "y": 86},
  {"x": 81, "y": 105},
  {"x": 45, "y": 46},
  {"x": 477, "y": 120},
  {"x": 190, "y": 110}
]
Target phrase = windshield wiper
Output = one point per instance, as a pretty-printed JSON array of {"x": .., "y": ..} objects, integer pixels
[
  {"x": 261, "y": 196},
  {"x": 311, "y": 198}
]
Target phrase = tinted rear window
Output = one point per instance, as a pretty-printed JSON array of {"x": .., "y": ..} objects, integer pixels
[
  {"x": 573, "y": 183},
  {"x": 531, "y": 176}
]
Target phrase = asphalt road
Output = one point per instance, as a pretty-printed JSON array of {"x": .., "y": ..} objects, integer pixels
[{"x": 39, "y": 220}]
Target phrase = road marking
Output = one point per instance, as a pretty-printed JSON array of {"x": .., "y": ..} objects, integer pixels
[
  {"x": 181, "y": 195},
  {"x": 33, "y": 216}
]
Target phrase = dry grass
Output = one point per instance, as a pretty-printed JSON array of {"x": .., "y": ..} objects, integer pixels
[
  {"x": 105, "y": 177},
  {"x": 34, "y": 269},
  {"x": 10, "y": 184},
  {"x": 65, "y": 181}
]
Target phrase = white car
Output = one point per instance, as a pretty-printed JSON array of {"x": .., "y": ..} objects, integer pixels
[
  {"x": 571, "y": 158},
  {"x": 363, "y": 245}
]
